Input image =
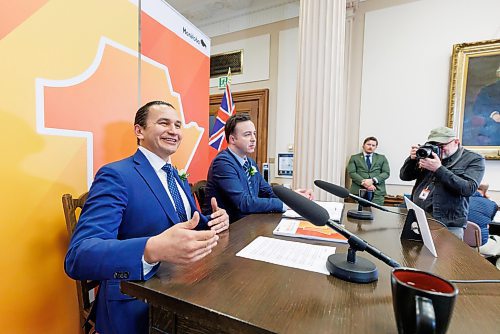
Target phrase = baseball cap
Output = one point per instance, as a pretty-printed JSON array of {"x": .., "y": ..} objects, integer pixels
[{"x": 441, "y": 135}]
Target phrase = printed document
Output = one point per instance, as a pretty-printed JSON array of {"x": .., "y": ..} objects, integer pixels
[
  {"x": 288, "y": 253},
  {"x": 334, "y": 210}
]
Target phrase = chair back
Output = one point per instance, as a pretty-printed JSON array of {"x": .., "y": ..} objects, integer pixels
[
  {"x": 86, "y": 290},
  {"x": 198, "y": 189},
  {"x": 472, "y": 235}
]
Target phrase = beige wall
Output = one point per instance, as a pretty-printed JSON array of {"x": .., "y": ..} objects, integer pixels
[
  {"x": 272, "y": 83},
  {"x": 361, "y": 117},
  {"x": 400, "y": 67}
]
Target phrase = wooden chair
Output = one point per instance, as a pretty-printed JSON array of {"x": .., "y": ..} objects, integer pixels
[
  {"x": 85, "y": 289},
  {"x": 198, "y": 189},
  {"x": 472, "y": 235}
]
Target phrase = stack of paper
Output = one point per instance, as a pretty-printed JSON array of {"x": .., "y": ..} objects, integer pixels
[
  {"x": 334, "y": 210},
  {"x": 304, "y": 229}
]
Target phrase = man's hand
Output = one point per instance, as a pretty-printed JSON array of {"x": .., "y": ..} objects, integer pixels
[
  {"x": 367, "y": 183},
  {"x": 431, "y": 164},
  {"x": 371, "y": 188},
  {"x": 413, "y": 151},
  {"x": 307, "y": 193},
  {"x": 220, "y": 219},
  {"x": 181, "y": 243}
]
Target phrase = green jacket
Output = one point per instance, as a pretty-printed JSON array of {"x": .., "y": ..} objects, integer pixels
[{"x": 358, "y": 170}]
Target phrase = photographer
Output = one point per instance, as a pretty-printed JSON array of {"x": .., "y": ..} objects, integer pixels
[{"x": 446, "y": 176}]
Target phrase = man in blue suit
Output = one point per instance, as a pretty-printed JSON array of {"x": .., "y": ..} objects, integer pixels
[
  {"x": 234, "y": 178},
  {"x": 139, "y": 213}
]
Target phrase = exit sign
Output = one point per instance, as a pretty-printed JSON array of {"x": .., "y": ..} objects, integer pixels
[{"x": 223, "y": 81}]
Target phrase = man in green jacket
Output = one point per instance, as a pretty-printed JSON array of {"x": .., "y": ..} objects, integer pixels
[{"x": 369, "y": 170}]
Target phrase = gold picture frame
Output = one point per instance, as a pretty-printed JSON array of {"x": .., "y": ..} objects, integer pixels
[{"x": 474, "y": 97}]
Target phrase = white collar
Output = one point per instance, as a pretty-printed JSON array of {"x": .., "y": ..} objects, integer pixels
[
  {"x": 240, "y": 159},
  {"x": 153, "y": 159}
]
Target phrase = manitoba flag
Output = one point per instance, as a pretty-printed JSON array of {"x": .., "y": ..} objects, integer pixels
[{"x": 217, "y": 137}]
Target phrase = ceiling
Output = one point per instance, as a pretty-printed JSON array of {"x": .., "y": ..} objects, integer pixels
[{"x": 206, "y": 12}]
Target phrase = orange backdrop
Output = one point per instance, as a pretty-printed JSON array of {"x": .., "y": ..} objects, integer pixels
[{"x": 70, "y": 89}]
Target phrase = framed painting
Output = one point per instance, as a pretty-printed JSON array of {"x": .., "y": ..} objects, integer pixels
[{"x": 474, "y": 98}]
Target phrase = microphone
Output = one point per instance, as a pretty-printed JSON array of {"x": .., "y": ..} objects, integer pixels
[
  {"x": 350, "y": 268},
  {"x": 344, "y": 193}
]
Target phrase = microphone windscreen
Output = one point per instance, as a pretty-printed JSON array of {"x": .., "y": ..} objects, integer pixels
[
  {"x": 332, "y": 188},
  {"x": 303, "y": 206}
]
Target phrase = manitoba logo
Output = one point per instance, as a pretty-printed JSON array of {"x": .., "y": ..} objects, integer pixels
[{"x": 192, "y": 37}]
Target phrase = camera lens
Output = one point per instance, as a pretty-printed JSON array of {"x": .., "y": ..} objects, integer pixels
[{"x": 423, "y": 152}]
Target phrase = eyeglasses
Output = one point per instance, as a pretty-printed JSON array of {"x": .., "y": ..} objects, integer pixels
[{"x": 441, "y": 145}]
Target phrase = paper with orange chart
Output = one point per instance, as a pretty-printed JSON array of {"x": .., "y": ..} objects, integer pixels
[
  {"x": 288, "y": 253},
  {"x": 304, "y": 229}
]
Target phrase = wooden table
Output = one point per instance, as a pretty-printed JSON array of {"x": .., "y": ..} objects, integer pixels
[{"x": 224, "y": 293}]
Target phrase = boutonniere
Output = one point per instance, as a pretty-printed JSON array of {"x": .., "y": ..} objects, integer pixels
[
  {"x": 183, "y": 175},
  {"x": 252, "y": 170}
]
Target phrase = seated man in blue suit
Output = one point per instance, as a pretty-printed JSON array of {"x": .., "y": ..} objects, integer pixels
[
  {"x": 234, "y": 179},
  {"x": 139, "y": 213}
]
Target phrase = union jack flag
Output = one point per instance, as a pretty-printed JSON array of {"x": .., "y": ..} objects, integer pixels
[{"x": 217, "y": 137}]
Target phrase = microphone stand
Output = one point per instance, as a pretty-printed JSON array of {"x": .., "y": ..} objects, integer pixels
[
  {"x": 352, "y": 268},
  {"x": 360, "y": 214},
  {"x": 349, "y": 268}
]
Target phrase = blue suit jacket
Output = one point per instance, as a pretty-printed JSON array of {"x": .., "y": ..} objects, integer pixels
[
  {"x": 482, "y": 211},
  {"x": 126, "y": 205},
  {"x": 227, "y": 182}
]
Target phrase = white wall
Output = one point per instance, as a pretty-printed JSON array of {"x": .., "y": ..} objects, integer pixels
[
  {"x": 255, "y": 58},
  {"x": 278, "y": 41},
  {"x": 286, "y": 92},
  {"x": 400, "y": 66},
  {"x": 406, "y": 67}
]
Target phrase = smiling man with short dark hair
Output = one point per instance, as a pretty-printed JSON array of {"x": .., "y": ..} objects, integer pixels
[{"x": 139, "y": 213}]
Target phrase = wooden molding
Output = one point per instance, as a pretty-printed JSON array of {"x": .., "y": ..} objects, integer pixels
[{"x": 256, "y": 103}]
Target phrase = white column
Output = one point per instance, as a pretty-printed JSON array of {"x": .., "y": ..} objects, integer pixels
[{"x": 320, "y": 122}]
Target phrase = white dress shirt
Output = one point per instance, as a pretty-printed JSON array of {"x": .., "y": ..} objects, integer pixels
[{"x": 157, "y": 163}]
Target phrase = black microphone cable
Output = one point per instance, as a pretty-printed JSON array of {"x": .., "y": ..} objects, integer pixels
[{"x": 475, "y": 281}]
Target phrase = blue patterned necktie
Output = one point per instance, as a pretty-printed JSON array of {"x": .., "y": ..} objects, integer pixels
[
  {"x": 246, "y": 167},
  {"x": 174, "y": 192},
  {"x": 368, "y": 162}
]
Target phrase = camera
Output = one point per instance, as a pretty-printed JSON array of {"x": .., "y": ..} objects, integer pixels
[{"x": 425, "y": 151}]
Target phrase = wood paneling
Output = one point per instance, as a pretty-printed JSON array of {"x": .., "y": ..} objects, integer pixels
[{"x": 255, "y": 103}]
